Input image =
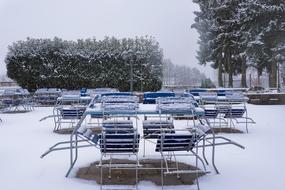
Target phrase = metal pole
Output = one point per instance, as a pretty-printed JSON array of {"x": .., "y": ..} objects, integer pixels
[
  {"x": 132, "y": 76},
  {"x": 278, "y": 77}
]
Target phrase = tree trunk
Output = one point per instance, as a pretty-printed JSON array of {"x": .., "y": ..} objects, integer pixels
[
  {"x": 259, "y": 73},
  {"x": 273, "y": 75},
  {"x": 220, "y": 73},
  {"x": 243, "y": 73},
  {"x": 230, "y": 70},
  {"x": 230, "y": 79}
]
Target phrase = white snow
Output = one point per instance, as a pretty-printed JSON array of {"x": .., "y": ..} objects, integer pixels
[{"x": 23, "y": 139}]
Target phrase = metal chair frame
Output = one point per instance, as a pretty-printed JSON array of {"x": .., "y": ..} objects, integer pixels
[
  {"x": 119, "y": 142},
  {"x": 68, "y": 110},
  {"x": 202, "y": 134}
]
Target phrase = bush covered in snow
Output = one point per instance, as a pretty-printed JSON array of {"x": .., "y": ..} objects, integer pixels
[{"x": 90, "y": 63}]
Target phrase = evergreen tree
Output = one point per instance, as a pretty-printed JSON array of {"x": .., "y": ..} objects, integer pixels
[
  {"x": 236, "y": 34},
  {"x": 265, "y": 23}
]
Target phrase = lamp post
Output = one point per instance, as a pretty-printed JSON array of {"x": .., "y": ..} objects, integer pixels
[
  {"x": 128, "y": 56},
  {"x": 279, "y": 59},
  {"x": 132, "y": 75},
  {"x": 278, "y": 77}
]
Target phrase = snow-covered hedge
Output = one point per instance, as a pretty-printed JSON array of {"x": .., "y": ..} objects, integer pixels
[{"x": 90, "y": 63}]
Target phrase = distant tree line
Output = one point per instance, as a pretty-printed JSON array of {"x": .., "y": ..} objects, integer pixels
[
  {"x": 184, "y": 75},
  {"x": 238, "y": 34},
  {"x": 90, "y": 63}
]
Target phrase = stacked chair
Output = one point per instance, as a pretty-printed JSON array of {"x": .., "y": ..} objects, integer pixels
[
  {"x": 227, "y": 110},
  {"x": 213, "y": 108},
  {"x": 237, "y": 110},
  {"x": 15, "y": 100},
  {"x": 46, "y": 96},
  {"x": 68, "y": 110}
]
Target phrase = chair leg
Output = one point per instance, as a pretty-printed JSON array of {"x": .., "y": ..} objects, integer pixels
[
  {"x": 137, "y": 165},
  {"x": 199, "y": 158},
  {"x": 143, "y": 147},
  {"x": 178, "y": 176},
  {"x": 213, "y": 155},
  {"x": 203, "y": 152},
  {"x": 101, "y": 176},
  {"x": 197, "y": 176},
  {"x": 246, "y": 122},
  {"x": 110, "y": 169},
  {"x": 161, "y": 171}
]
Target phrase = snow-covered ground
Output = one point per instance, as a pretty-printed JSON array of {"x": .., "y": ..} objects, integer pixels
[{"x": 23, "y": 139}]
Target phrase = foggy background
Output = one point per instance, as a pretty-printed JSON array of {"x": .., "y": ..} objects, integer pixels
[{"x": 169, "y": 21}]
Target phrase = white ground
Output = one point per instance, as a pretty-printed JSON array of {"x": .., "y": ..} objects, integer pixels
[{"x": 23, "y": 139}]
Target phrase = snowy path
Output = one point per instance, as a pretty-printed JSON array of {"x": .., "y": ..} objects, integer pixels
[{"x": 23, "y": 139}]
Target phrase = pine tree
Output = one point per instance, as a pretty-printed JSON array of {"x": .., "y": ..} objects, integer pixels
[
  {"x": 237, "y": 34},
  {"x": 265, "y": 22}
]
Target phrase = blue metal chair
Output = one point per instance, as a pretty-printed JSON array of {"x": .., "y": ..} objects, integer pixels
[
  {"x": 67, "y": 115},
  {"x": 172, "y": 145},
  {"x": 237, "y": 110},
  {"x": 152, "y": 129},
  {"x": 68, "y": 110},
  {"x": 119, "y": 143},
  {"x": 209, "y": 101}
]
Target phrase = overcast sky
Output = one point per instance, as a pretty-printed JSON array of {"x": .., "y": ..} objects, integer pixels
[{"x": 169, "y": 21}]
